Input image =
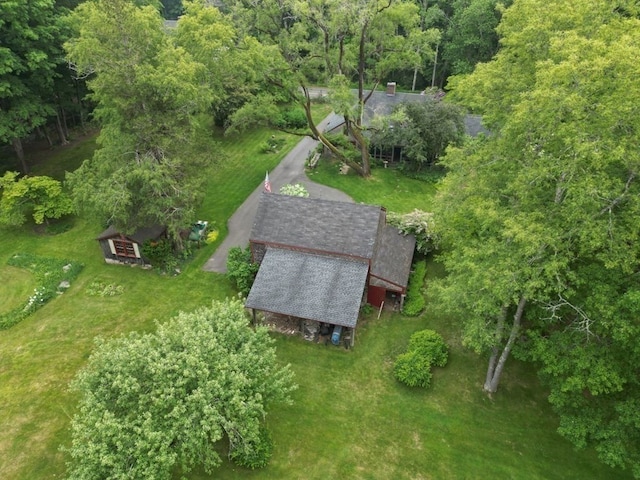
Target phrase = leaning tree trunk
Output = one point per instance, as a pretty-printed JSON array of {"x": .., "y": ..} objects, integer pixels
[
  {"x": 364, "y": 147},
  {"x": 317, "y": 135},
  {"x": 17, "y": 147},
  {"x": 495, "y": 369}
]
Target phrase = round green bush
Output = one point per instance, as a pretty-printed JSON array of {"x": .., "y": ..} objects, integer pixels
[
  {"x": 413, "y": 369},
  {"x": 426, "y": 349},
  {"x": 430, "y": 344}
]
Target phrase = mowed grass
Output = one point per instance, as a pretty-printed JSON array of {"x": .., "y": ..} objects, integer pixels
[
  {"x": 350, "y": 418},
  {"x": 16, "y": 285},
  {"x": 387, "y": 187}
]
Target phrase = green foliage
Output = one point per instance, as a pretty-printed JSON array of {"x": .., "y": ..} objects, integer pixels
[
  {"x": 366, "y": 309},
  {"x": 416, "y": 223},
  {"x": 148, "y": 93},
  {"x": 414, "y": 302},
  {"x": 241, "y": 269},
  {"x": 471, "y": 36},
  {"x": 430, "y": 344},
  {"x": 255, "y": 453},
  {"x": 50, "y": 274},
  {"x": 31, "y": 40},
  {"x": 159, "y": 252},
  {"x": 41, "y": 197},
  {"x": 413, "y": 369},
  {"x": 426, "y": 349},
  {"x": 294, "y": 190},
  {"x": 545, "y": 211},
  {"x": 153, "y": 403},
  {"x": 292, "y": 119},
  {"x": 424, "y": 129},
  {"x": 172, "y": 9},
  {"x": 47, "y": 350},
  {"x": 273, "y": 145},
  {"x": 100, "y": 289}
]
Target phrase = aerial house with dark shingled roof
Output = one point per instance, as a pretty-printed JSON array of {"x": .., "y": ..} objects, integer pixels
[{"x": 317, "y": 257}]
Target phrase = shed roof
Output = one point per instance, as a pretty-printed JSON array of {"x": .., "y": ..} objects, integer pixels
[
  {"x": 392, "y": 261},
  {"x": 139, "y": 236},
  {"x": 315, "y": 287},
  {"x": 318, "y": 225}
]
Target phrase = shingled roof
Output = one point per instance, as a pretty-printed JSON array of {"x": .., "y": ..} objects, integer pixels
[
  {"x": 392, "y": 261},
  {"x": 323, "y": 226},
  {"x": 304, "y": 285},
  {"x": 139, "y": 236}
]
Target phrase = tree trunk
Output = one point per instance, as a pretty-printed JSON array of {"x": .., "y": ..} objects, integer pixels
[
  {"x": 65, "y": 126},
  {"x": 435, "y": 66},
  {"x": 80, "y": 107},
  {"x": 61, "y": 135},
  {"x": 17, "y": 147},
  {"x": 44, "y": 133},
  {"x": 361, "y": 61},
  {"x": 317, "y": 135},
  {"x": 364, "y": 150},
  {"x": 494, "y": 351},
  {"x": 494, "y": 374}
]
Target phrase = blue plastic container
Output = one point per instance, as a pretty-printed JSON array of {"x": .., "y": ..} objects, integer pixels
[{"x": 335, "y": 336}]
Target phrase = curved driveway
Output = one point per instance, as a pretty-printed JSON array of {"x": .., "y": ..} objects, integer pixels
[{"x": 290, "y": 170}]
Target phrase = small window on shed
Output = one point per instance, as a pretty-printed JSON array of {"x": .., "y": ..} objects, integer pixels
[{"x": 124, "y": 248}]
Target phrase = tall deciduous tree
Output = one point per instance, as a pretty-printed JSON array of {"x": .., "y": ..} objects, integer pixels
[
  {"x": 30, "y": 48},
  {"x": 472, "y": 36},
  {"x": 423, "y": 129},
  {"x": 235, "y": 63},
  {"x": 153, "y": 403},
  {"x": 148, "y": 93},
  {"x": 541, "y": 217},
  {"x": 336, "y": 43}
]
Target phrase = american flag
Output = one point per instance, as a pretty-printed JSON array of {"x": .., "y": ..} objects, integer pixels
[{"x": 267, "y": 184}]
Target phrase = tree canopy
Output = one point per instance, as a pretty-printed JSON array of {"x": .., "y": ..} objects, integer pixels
[
  {"x": 148, "y": 92},
  {"x": 152, "y": 403},
  {"x": 540, "y": 219},
  {"x": 41, "y": 197},
  {"x": 423, "y": 129},
  {"x": 335, "y": 43},
  {"x": 30, "y": 49}
]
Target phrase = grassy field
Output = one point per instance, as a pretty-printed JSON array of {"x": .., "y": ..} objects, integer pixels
[{"x": 350, "y": 418}]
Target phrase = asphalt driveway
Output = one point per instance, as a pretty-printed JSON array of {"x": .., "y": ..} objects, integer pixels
[{"x": 290, "y": 170}]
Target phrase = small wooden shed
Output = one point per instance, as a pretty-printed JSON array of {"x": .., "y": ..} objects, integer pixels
[{"x": 118, "y": 247}]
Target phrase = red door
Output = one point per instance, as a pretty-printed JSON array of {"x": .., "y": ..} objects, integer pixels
[{"x": 375, "y": 295}]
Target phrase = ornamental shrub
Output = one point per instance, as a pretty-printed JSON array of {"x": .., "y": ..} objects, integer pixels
[
  {"x": 413, "y": 370},
  {"x": 430, "y": 344},
  {"x": 416, "y": 223},
  {"x": 426, "y": 349},
  {"x": 414, "y": 302},
  {"x": 241, "y": 269},
  {"x": 294, "y": 190}
]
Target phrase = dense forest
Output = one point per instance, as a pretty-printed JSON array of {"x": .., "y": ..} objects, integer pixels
[{"x": 43, "y": 93}]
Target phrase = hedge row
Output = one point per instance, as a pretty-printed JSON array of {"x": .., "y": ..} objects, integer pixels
[{"x": 414, "y": 302}]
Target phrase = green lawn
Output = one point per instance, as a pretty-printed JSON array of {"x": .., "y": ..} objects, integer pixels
[
  {"x": 386, "y": 186},
  {"x": 350, "y": 419}
]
